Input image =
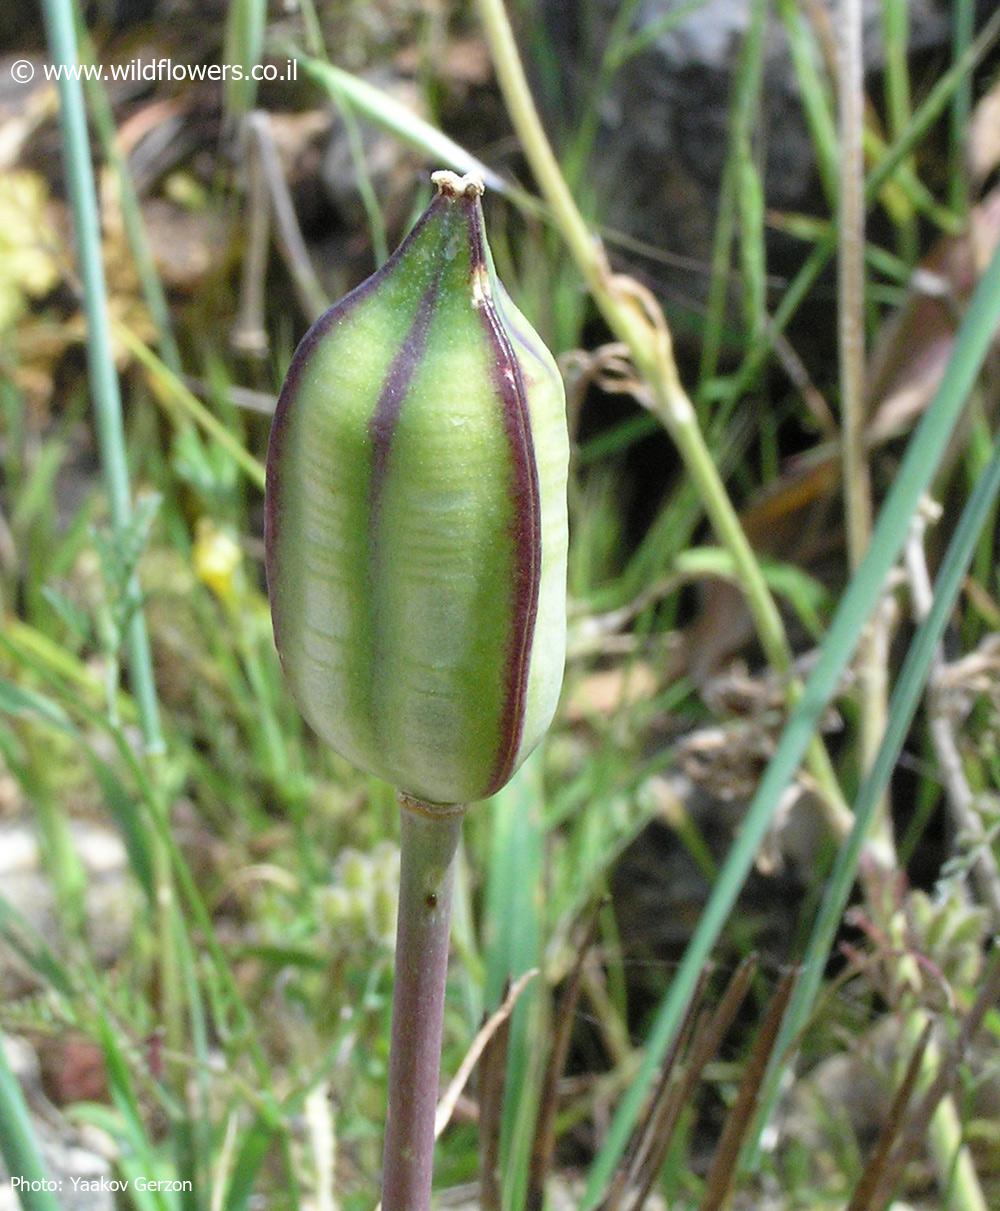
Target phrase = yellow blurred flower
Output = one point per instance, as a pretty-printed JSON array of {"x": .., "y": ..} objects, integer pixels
[{"x": 217, "y": 560}]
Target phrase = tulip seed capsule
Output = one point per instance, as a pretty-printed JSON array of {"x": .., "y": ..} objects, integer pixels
[
  {"x": 415, "y": 534},
  {"x": 416, "y": 517}
]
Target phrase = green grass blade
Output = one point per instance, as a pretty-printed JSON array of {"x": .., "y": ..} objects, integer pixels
[
  {"x": 135, "y": 836},
  {"x": 391, "y": 115},
  {"x": 903, "y": 707},
  {"x": 250, "y": 1158},
  {"x": 28, "y": 944},
  {"x": 18, "y": 1144},
  {"x": 915, "y": 474},
  {"x": 513, "y": 945}
]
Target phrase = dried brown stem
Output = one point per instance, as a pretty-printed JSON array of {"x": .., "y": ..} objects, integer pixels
[
  {"x": 705, "y": 1044},
  {"x": 492, "y": 1081},
  {"x": 545, "y": 1130},
  {"x": 912, "y": 1140},
  {"x": 723, "y": 1170},
  {"x": 868, "y": 1185},
  {"x": 639, "y": 1141}
]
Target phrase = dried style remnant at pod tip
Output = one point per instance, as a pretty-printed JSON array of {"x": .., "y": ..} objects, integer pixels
[{"x": 416, "y": 524}]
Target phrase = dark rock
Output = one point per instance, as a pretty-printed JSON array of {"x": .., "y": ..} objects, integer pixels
[{"x": 664, "y": 127}]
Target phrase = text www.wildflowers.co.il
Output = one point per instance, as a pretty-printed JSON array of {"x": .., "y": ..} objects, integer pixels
[{"x": 154, "y": 70}]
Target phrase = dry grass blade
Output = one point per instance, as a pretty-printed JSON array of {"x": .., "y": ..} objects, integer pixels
[
  {"x": 639, "y": 1142},
  {"x": 915, "y": 1133},
  {"x": 308, "y": 288},
  {"x": 449, "y": 1100},
  {"x": 480, "y": 1044},
  {"x": 869, "y": 1183},
  {"x": 705, "y": 1044},
  {"x": 492, "y": 1078},
  {"x": 545, "y": 1131},
  {"x": 249, "y": 334},
  {"x": 723, "y": 1170},
  {"x": 960, "y": 797}
]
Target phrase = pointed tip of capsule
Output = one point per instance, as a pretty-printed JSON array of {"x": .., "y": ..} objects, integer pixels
[{"x": 450, "y": 185}]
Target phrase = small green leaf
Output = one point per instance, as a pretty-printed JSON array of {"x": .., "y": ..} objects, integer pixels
[{"x": 23, "y": 703}]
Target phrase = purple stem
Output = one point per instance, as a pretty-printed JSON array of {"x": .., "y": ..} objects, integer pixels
[{"x": 428, "y": 844}]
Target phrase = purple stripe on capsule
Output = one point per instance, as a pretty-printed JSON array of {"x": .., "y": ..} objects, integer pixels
[
  {"x": 285, "y": 406},
  {"x": 382, "y": 425},
  {"x": 527, "y": 524},
  {"x": 381, "y": 430}
]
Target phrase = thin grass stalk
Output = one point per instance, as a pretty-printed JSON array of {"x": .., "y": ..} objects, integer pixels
[
  {"x": 654, "y": 28},
  {"x": 428, "y": 846},
  {"x": 244, "y": 40},
  {"x": 635, "y": 318},
  {"x": 135, "y": 227},
  {"x": 896, "y": 39},
  {"x": 718, "y": 288},
  {"x": 916, "y": 471},
  {"x": 963, "y": 28},
  {"x": 366, "y": 190},
  {"x": 308, "y": 288},
  {"x": 958, "y": 1181},
  {"x": 581, "y": 147},
  {"x": 750, "y": 186},
  {"x": 753, "y": 252},
  {"x": 851, "y": 293},
  {"x": 100, "y": 362},
  {"x": 249, "y": 335},
  {"x": 872, "y": 671},
  {"x": 111, "y": 440},
  {"x": 905, "y": 196},
  {"x": 19, "y": 1146},
  {"x": 62, "y": 860},
  {"x": 814, "y": 94},
  {"x": 905, "y": 699},
  {"x": 743, "y": 107}
]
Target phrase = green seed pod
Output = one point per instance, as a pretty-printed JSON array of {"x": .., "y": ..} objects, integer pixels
[{"x": 416, "y": 523}]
